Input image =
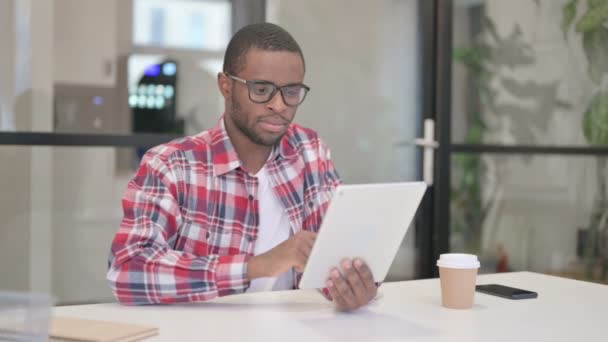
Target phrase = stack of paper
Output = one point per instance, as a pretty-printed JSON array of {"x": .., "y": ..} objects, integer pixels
[{"x": 77, "y": 329}]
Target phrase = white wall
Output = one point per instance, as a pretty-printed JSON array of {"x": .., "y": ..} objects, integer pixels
[
  {"x": 85, "y": 41},
  {"x": 15, "y": 211},
  {"x": 26, "y": 97},
  {"x": 86, "y": 190},
  {"x": 87, "y": 212},
  {"x": 14, "y": 184},
  {"x": 14, "y": 204},
  {"x": 7, "y": 62}
]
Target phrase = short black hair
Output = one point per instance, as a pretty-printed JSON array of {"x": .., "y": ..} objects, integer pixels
[{"x": 263, "y": 36}]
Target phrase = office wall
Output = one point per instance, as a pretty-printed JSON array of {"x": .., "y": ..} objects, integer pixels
[
  {"x": 7, "y": 60},
  {"x": 15, "y": 232},
  {"x": 86, "y": 210},
  {"x": 85, "y": 38},
  {"x": 15, "y": 211},
  {"x": 26, "y": 101},
  {"x": 86, "y": 187}
]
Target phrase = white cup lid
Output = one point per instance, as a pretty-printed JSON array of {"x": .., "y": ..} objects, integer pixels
[{"x": 458, "y": 260}]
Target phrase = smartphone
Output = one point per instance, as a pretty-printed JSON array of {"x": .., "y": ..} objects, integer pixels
[{"x": 505, "y": 291}]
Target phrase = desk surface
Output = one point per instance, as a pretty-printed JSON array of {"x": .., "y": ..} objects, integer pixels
[{"x": 566, "y": 310}]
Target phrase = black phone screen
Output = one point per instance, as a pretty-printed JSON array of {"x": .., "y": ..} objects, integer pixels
[{"x": 505, "y": 291}]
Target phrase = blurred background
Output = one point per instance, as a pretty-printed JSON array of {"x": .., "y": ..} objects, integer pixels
[{"x": 517, "y": 90}]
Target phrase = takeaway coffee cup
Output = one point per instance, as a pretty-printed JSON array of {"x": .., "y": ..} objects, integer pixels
[{"x": 458, "y": 275}]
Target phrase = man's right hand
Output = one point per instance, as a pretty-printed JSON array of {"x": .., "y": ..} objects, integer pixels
[{"x": 293, "y": 252}]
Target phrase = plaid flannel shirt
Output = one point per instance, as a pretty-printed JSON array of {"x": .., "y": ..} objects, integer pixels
[{"x": 191, "y": 214}]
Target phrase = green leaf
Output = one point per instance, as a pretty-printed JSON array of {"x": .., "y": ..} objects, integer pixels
[
  {"x": 474, "y": 135},
  {"x": 460, "y": 159},
  {"x": 568, "y": 15},
  {"x": 595, "y": 120},
  {"x": 595, "y": 3},
  {"x": 593, "y": 19},
  {"x": 595, "y": 45},
  {"x": 473, "y": 58}
]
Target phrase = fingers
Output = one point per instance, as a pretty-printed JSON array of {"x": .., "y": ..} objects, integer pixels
[
  {"x": 353, "y": 288},
  {"x": 355, "y": 283},
  {"x": 301, "y": 260},
  {"x": 365, "y": 274},
  {"x": 304, "y": 251},
  {"x": 341, "y": 292},
  {"x": 304, "y": 241},
  {"x": 346, "y": 292},
  {"x": 339, "y": 302},
  {"x": 308, "y": 238},
  {"x": 292, "y": 253},
  {"x": 367, "y": 278}
]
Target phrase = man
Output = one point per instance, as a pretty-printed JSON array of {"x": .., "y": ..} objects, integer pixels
[{"x": 235, "y": 208}]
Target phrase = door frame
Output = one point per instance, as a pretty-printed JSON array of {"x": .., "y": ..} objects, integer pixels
[{"x": 432, "y": 229}]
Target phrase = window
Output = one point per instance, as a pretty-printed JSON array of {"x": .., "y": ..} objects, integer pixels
[{"x": 182, "y": 24}]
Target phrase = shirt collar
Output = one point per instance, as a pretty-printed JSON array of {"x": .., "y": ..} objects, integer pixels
[{"x": 225, "y": 158}]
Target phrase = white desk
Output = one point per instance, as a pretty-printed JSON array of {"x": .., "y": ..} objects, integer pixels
[{"x": 566, "y": 310}]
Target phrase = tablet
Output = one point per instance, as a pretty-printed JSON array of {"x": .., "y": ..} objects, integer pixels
[{"x": 366, "y": 221}]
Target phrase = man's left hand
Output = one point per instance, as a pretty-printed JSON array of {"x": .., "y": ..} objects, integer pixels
[{"x": 354, "y": 287}]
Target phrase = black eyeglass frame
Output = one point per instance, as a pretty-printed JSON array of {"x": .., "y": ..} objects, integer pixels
[{"x": 251, "y": 83}]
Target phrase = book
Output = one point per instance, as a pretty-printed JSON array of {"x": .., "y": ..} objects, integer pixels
[{"x": 63, "y": 329}]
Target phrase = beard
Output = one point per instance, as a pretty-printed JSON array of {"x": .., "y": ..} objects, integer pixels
[{"x": 240, "y": 121}]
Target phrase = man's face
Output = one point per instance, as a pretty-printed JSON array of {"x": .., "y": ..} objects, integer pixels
[{"x": 264, "y": 123}]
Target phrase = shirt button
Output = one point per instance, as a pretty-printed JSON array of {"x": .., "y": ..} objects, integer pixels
[
  {"x": 311, "y": 204},
  {"x": 208, "y": 235},
  {"x": 251, "y": 197}
]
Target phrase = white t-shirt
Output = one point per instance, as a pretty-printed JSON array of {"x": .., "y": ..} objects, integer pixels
[{"x": 273, "y": 229}]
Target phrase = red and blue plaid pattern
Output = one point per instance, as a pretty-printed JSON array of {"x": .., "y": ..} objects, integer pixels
[{"x": 191, "y": 214}]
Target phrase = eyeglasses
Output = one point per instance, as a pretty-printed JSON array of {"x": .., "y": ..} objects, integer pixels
[{"x": 262, "y": 91}]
